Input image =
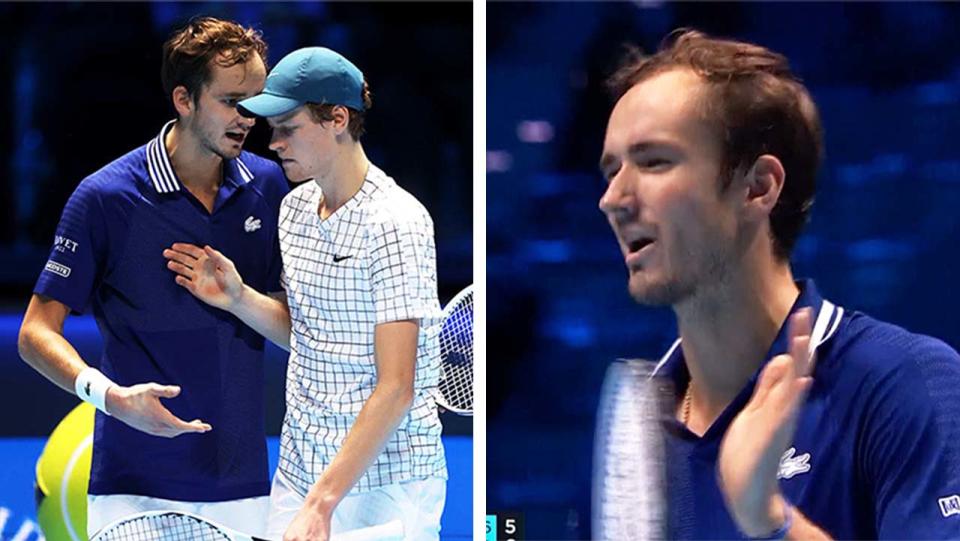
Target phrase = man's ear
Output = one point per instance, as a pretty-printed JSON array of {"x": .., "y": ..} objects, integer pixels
[
  {"x": 341, "y": 120},
  {"x": 183, "y": 101},
  {"x": 764, "y": 182}
]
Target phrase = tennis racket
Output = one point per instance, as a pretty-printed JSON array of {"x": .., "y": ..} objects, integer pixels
[
  {"x": 456, "y": 354},
  {"x": 177, "y": 526},
  {"x": 629, "y": 476}
]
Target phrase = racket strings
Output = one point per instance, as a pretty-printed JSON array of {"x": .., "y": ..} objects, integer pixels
[
  {"x": 629, "y": 482},
  {"x": 164, "y": 527},
  {"x": 456, "y": 351}
]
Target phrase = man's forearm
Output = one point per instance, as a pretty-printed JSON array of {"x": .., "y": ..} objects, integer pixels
[
  {"x": 41, "y": 343},
  {"x": 265, "y": 314},
  {"x": 50, "y": 354},
  {"x": 376, "y": 422},
  {"x": 801, "y": 528},
  {"x": 805, "y": 530}
]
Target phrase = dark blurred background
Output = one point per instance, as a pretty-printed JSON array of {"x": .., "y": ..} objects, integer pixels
[
  {"x": 80, "y": 86},
  {"x": 883, "y": 237}
]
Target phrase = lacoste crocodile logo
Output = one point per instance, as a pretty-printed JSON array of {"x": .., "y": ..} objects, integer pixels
[
  {"x": 791, "y": 465},
  {"x": 251, "y": 224}
]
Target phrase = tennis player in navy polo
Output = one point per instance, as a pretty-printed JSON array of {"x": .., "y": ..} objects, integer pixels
[
  {"x": 795, "y": 418},
  {"x": 202, "y": 448}
]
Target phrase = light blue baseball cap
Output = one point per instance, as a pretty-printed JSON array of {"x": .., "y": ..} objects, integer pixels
[{"x": 311, "y": 74}]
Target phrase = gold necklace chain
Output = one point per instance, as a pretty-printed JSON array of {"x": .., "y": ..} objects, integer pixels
[{"x": 685, "y": 408}]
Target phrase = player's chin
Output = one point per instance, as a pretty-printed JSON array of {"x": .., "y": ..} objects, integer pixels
[
  {"x": 647, "y": 288},
  {"x": 231, "y": 151},
  {"x": 293, "y": 173}
]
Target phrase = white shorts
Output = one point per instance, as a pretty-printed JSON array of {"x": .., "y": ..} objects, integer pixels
[
  {"x": 248, "y": 515},
  {"x": 418, "y": 504}
]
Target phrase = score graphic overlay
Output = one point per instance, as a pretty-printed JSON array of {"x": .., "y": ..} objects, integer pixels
[
  {"x": 506, "y": 526},
  {"x": 491, "y": 531}
]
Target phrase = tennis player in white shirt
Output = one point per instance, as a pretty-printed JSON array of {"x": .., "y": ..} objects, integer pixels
[{"x": 360, "y": 316}]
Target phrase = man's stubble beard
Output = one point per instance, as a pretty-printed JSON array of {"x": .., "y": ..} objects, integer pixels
[
  {"x": 679, "y": 287},
  {"x": 206, "y": 140}
]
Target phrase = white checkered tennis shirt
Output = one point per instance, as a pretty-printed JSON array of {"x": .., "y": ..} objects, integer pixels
[{"x": 372, "y": 261}]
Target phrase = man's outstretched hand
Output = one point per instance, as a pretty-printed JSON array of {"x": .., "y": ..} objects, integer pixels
[
  {"x": 206, "y": 273},
  {"x": 139, "y": 406},
  {"x": 751, "y": 449}
]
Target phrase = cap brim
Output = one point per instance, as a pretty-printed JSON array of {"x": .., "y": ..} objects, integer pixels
[{"x": 265, "y": 105}]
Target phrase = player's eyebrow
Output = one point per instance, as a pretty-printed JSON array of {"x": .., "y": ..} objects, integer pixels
[
  {"x": 605, "y": 162},
  {"x": 635, "y": 148},
  {"x": 644, "y": 146},
  {"x": 278, "y": 122}
]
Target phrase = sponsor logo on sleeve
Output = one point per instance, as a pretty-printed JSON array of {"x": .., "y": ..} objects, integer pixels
[
  {"x": 63, "y": 244},
  {"x": 57, "y": 268},
  {"x": 950, "y": 505}
]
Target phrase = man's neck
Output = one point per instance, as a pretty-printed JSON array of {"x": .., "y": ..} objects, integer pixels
[
  {"x": 343, "y": 180},
  {"x": 728, "y": 331},
  {"x": 199, "y": 170}
]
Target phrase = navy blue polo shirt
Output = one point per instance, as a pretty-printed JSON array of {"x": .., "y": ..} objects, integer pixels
[
  {"x": 108, "y": 256},
  {"x": 877, "y": 448}
]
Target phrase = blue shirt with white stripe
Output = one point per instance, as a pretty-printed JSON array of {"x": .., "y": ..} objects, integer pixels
[
  {"x": 108, "y": 257},
  {"x": 877, "y": 448}
]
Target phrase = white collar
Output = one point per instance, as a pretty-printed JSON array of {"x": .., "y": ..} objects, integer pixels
[{"x": 161, "y": 170}]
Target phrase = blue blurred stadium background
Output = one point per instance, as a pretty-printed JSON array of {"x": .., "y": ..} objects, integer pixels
[
  {"x": 80, "y": 86},
  {"x": 883, "y": 237}
]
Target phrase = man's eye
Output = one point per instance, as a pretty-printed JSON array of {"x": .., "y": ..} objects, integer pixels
[
  {"x": 653, "y": 163},
  {"x": 609, "y": 174},
  {"x": 231, "y": 102}
]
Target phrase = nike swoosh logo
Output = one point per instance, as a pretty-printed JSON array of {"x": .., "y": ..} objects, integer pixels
[
  {"x": 339, "y": 258},
  {"x": 86, "y": 389}
]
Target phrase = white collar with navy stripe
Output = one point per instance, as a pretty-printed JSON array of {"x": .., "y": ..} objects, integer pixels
[
  {"x": 826, "y": 324},
  {"x": 161, "y": 170}
]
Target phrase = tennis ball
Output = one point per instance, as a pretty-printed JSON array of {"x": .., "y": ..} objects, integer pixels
[{"x": 63, "y": 473}]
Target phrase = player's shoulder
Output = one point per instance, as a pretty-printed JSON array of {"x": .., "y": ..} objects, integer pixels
[
  {"x": 261, "y": 166},
  {"x": 118, "y": 180},
  {"x": 868, "y": 349},
  {"x": 299, "y": 197},
  {"x": 266, "y": 174},
  {"x": 391, "y": 204},
  {"x": 895, "y": 381}
]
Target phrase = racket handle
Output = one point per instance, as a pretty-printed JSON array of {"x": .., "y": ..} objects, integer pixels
[{"x": 391, "y": 531}]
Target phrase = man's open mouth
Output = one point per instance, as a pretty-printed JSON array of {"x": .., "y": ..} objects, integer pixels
[{"x": 638, "y": 244}]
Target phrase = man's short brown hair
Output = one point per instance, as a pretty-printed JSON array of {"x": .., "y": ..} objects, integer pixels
[
  {"x": 757, "y": 105},
  {"x": 189, "y": 51},
  {"x": 323, "y": 112}
]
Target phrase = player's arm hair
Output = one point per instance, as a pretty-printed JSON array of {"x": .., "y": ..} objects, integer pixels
[
  {"x": 41, "y": 343},
  {"x": 395, "y": 353},
  {"x": 267, "y": 314}
]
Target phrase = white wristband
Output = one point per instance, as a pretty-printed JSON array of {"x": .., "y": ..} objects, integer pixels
[{"x": 91, "y": 386}]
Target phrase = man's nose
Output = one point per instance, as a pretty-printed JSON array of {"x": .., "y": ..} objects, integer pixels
[
  {"x": 619, "y": 197},
  {"x": 275, "y": 142},
  {"x": 248, "y": 122}
]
